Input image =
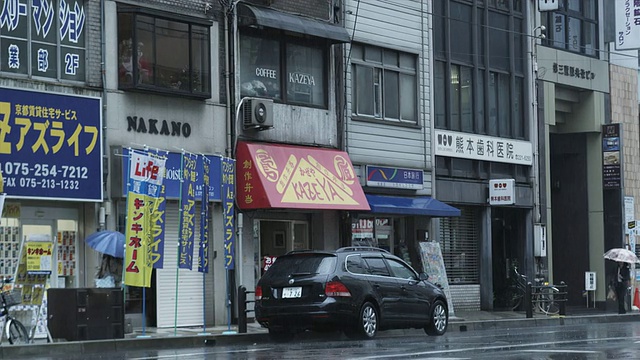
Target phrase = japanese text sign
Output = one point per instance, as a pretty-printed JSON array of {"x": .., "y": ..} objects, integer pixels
[
  {"x": 228, "y": 211},
  {"x": 173, "y": 176},
  {"x": 50, "y": 146},
  {"x": 203, "y": 262},
  {"x": 146, "y": 173},
  {"x": 480, "y": 147},
  {"x": 284, "y": 176},
  {"x": 159, "y": 205},
  {"x": 39, "y": 257},
  {"x": 627, "y": 24},
  {"x": 187, "y": 212}
]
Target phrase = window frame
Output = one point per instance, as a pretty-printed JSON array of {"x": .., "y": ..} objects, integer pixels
[
  {"x": 583, "y": 18},
  {"x": 136, "y": 84},
  {"x": 284, "y": 39},
  {"x": 379, "y": 110}
]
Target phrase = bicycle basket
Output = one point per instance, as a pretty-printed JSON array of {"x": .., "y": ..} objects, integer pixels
[{"x": 13, "y": 297}]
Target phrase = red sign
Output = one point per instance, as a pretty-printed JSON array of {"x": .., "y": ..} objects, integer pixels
[{"x": 284, "y": 176}]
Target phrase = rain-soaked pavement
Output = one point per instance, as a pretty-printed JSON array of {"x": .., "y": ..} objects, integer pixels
[{"x": 589, "y": 341}]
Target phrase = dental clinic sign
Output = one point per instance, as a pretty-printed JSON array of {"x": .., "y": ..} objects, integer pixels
[
  {"x": 502, "y": 192},
  {"x": 480, "y": 147},
  {"x": 627, "y": 24}
]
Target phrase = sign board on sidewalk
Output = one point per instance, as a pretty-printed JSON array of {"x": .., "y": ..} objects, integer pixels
[
  {"x": 590, "y": 280},
  {"x": 433, "y": 265}
]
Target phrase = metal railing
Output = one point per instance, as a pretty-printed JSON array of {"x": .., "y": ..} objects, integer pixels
[
  {"x": 242, "y": 308},
  {"x": 536, "y": 295}
]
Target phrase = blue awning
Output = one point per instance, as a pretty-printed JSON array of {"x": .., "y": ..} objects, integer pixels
[{"x": 417, "y": 205}]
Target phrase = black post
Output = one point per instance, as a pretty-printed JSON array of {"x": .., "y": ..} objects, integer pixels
[
  {"x": 527, "y": 301},
  {"x": 242, "y": 309},
  {"x": 562, "y": 307}
]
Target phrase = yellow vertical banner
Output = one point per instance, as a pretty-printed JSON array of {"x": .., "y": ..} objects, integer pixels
[
  {"x": 137, "y": 264},
  {"x": 146, "y": 173}
]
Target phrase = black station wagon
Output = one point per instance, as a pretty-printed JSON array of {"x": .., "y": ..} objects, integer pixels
[{"x": 353, "y": 289}]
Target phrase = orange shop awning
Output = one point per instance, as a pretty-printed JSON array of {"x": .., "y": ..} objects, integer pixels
[{"x": 299, "y": 177}]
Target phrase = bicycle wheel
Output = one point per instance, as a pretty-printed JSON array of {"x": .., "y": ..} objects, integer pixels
[
  {"x": 516, "y": 298},
  {"x": 17, "y": 333},
  {"x": 547, "y": 301}
]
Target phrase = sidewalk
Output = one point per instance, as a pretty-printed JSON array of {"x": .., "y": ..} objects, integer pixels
[{"x": 154, "y": 338}]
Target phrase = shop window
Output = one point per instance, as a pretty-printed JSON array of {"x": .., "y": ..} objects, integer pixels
[
  {"x": 380, "y": 76},
  {"x": 159, "y": 53},
  {"x": 45, "y": 39},
  {"x": 283, "y": 69}
]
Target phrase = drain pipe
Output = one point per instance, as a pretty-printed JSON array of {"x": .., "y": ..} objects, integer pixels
[{"x": 105, "y": 146}]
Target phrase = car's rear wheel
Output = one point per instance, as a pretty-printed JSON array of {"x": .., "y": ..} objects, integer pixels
[
  {"x": 280, "y": 334},
  {"x": 367, "y": 324},
  {"x": 438, "y": 319}
]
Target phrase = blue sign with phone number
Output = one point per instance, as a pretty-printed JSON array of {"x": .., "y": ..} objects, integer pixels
[
  {"x": 172, "y": 177},
  {"x": 50, "y": 145}
]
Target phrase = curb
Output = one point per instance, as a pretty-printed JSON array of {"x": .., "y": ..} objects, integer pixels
[
  {"x": 107, "y": 346},
  {"x": 186, "y": 341}
]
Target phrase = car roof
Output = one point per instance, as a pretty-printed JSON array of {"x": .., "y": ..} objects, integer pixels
[{"x": 347, "y": 249}]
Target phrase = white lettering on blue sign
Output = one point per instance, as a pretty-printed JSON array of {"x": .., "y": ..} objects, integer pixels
[
  {"x": 43, "y": 60},
  {"x": 43, "y": 16},
  {"x": 72, "y": 61},
  {"x": 72, "y": 21},
  {"x": 11, "y": 12},
  {"x": 14, "y": 56}
]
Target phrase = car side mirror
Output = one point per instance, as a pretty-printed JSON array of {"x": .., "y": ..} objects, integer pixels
[{"x": 424, "y": 277}]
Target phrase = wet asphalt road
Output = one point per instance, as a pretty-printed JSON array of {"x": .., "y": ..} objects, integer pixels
[{"x": 590, "y": 341}]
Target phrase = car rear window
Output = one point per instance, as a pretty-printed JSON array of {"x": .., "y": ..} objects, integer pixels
[{"x": 311, "y": 264}]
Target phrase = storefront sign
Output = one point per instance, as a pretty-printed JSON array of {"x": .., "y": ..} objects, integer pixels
[
  {"x": 50, "y": 146},
  {"x": 611, "y": 154},
  {"x": 187, "y": 212},
  {"x": 502, "y": 192},
  {"x": 394, "y": 177},
  {"x": 44, "y": 38},
  {"x": 173, "y": 176},
  {"x": 203, "y": 252},
  {"x": 573, "y": 71},
  {"x": 284, "y": 176},
  {"x": 39, "y": 257},
  {"x": 159, "y": 206},
  {"x": 158, "y": 127},
  {"x": 146, "y": 174},
  {"x": 480, "y": 147},
  {"x": 629, "y": 213},
  {"x": 627, "y": 24},
  {"x": 228, "y": 211}
]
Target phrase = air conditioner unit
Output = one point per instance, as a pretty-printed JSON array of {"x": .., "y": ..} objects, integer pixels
[{"x": 257, "y": 113}]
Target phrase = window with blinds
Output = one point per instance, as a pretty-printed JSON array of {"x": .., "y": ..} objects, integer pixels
[{"x": 460, "y": 244}]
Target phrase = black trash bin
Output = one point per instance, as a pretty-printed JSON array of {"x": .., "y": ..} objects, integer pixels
[{"x": 85, "y": 313}]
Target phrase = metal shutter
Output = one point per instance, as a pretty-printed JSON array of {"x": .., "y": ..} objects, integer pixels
[
  {"x": 459, "y": 240},
  {"x": 190, "y": 282}
]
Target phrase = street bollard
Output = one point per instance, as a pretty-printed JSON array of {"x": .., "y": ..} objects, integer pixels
[
  {"x": 242, "y": 309},
  {"x": 562, "y": 308},
  {"x": 527, "y": 301}
]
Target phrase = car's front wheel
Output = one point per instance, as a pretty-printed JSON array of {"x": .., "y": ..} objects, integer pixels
[
  {"x": 367, "y": 324},
  {"x": 438, "y": 319}
]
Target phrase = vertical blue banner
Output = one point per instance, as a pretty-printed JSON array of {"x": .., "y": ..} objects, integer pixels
[
  {"x": 187, "y": 211},
  {"x": 228, "y": 211},
  {"x": 203, "y": 263},
  {"x": 158, "y": 220}
]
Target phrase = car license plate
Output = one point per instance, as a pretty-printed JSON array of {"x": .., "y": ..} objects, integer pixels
[{"x": 291, "y": 292}]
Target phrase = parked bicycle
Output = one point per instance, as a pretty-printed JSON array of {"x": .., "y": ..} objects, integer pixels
[
  {"x": 544, "y": 297},
  {"x": 13, "y": 329}
]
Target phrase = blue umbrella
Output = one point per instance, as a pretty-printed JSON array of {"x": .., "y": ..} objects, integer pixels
[{"x": 107, "y": 242}]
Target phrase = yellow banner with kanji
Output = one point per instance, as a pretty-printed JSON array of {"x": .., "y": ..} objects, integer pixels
[{"x": 137, "y": 265}]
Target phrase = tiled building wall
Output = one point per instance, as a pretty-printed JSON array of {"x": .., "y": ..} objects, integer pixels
[{"x": 624, "y": 110}]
